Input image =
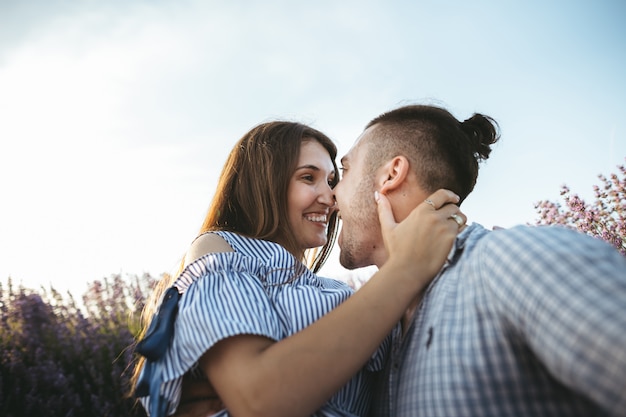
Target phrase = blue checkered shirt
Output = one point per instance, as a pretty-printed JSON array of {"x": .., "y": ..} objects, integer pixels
[{"x": 529, "y": 321}]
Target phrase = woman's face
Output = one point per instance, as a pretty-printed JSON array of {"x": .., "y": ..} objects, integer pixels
[{"x": 310, "y": 199}]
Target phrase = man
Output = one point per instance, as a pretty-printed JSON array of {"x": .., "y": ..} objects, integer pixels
[{"x": 529, "y": 321}]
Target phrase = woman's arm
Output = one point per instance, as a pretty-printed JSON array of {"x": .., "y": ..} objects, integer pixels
[{"x": 255, "y": 376}]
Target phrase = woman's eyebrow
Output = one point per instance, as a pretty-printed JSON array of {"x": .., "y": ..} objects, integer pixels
[{"x": 313, "y": 167}]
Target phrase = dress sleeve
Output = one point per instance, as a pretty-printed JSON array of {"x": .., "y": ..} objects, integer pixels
[
  {"x": 564, "y": 294},
  {"x": 226, "y": 298}
]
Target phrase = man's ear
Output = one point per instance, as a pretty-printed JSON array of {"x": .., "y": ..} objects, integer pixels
[{"x": 392, "y": 174}]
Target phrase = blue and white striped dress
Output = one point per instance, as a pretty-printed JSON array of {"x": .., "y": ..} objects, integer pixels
[{"x": 254, "y": 290}]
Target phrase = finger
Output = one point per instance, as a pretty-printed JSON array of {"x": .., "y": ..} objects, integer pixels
[
  {"x": 199, "y": 408},
  {"x": 430, "y": 203},
  {"x": 441, "y": 197},
  {"x": 452, "y": 212},
  {"x": 385, "y": 215},
  {"x": 457, "y": 219}
]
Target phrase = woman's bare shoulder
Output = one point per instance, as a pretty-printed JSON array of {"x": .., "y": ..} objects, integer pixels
[{"x": 205, "y": 244}]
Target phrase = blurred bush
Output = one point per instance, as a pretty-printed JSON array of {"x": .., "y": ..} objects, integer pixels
[
  {"x": 59, "y": 358},
  {"x": 603, "y": 218}
]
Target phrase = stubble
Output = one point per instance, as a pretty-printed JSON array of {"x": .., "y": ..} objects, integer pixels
[{"x": 360, "y": 232}]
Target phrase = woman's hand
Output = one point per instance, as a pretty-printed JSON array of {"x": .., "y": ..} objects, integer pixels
[
  {"x": 423, "y": 240},
  {"x": 309, "y": 366}
]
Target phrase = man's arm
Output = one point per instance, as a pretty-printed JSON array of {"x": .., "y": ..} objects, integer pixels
[{"x": 565, "y": 293}]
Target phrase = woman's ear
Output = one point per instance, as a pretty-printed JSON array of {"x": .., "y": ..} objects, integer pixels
[{"x": 393, "y": 174}]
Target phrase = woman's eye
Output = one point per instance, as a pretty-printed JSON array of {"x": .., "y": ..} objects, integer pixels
[{"x": 307, "y": 177}]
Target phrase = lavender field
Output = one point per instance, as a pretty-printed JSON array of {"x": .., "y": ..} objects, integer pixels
[{"x": 63, "y": 357}]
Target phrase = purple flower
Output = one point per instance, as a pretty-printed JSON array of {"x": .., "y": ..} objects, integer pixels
[
  {"x": 605, "y": 218},
  {"x": 62, "y": 359}
]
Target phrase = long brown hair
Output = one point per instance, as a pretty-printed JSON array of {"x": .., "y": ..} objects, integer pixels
[{"x": 251, "y": 198}]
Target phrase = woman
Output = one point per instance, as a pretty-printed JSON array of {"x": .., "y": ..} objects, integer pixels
[{"x": 254, "y": 320}]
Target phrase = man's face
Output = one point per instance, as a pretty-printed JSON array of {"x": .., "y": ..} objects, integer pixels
[{"x": 360, "y": 238}]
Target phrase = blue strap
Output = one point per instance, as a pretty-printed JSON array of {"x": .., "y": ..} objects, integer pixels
[
  {"x": 153, "y": 346},
  {"x": 161, "y": 329}
]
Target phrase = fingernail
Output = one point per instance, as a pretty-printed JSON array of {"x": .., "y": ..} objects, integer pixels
[{"x": 376, "y": 196}]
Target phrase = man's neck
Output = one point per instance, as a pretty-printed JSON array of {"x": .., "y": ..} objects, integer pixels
[{"x": 407, "y": 318}]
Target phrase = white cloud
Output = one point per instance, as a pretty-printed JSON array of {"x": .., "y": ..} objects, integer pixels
[{"x": 116, "y": 117}]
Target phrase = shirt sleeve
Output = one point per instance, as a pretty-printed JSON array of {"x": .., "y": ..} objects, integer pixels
[
  {"x": 564, "y": 294},
  {"x": 225, "y": 299}
]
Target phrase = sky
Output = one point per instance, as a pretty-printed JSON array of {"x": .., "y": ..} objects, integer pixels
[{"x": 116, "y": 117}]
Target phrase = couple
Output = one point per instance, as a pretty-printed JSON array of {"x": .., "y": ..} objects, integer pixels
[{"x": 457, "y": 321}]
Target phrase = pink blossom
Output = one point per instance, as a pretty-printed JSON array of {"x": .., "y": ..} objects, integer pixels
[{"x": 604, "y": 218}]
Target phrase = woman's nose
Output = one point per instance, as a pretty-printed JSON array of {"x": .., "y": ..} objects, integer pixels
[{"x": 327, "y": 197}]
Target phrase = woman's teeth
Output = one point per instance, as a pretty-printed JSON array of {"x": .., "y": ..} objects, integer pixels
[{"x": 316, "y": 218}]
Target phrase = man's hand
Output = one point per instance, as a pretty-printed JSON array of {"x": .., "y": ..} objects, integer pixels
[{"x": 198, "y": 399}]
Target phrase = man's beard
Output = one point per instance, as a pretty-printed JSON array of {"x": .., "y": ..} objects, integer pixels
[
  {"x": 347, "y": 253},
  {"x": 355, "y": 251}
]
